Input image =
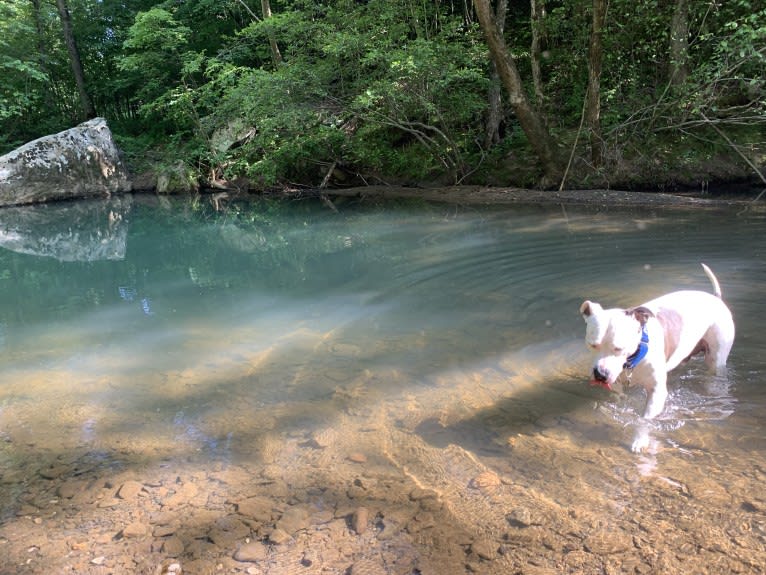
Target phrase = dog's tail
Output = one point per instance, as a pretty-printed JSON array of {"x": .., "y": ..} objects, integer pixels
[{"x": 711, "y": 276}]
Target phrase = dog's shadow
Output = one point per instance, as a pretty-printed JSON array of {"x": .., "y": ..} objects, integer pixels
[
  {"x": 560, "y": 405},
  {"x": 565, "y": 406}
]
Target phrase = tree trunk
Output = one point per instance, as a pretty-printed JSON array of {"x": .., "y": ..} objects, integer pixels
[
  {"x": 593, "y": 96},
  {"x": 42, "y": 52},
  {"x": 541, "y": 141},
  {"x": 495, "y": 112},
  {"x": 679, "y": 44},
  {"x": 74, "y": 59},
  {"x": 276, "y": 55},
  {"x": 537, "y": 8},
  {"x": 42, "y": 55}
]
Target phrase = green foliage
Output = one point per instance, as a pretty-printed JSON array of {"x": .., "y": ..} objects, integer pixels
[
  {"x": 364, "y": 93},
  {"x": 389, "y": 90},
  {"x": 153, "y": 59},
  {"x": 731, "y": 59},
  {"x": 20, "y": 72}
]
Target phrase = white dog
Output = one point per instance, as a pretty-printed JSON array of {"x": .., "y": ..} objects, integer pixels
[{"x": 650, "y": 340}]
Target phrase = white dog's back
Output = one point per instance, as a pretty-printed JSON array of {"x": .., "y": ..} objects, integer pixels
[{"x": 686, "y": 326}]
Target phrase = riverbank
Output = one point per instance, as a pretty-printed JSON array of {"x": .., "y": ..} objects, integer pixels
[
  {"x": 486, "y": 195},
  {"x": 742, "y": 197}
]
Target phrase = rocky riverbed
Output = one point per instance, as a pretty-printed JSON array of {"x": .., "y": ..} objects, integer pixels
[{"x": 450, "y": 479}]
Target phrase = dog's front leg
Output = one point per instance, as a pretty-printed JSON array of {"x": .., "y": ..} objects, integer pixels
[
  {"x": 654, "y": 383},
  {"x": 656, "y": 395}
]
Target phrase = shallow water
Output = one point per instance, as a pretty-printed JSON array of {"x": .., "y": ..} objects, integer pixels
[{"x": 427, "y": 347}]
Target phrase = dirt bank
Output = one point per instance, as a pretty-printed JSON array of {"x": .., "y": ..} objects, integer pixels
[{"x": 482, "y": 195}]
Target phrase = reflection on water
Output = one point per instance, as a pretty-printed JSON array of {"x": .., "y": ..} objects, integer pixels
[
  {"x": 68, "y": 231},
  {"x": 446, "y": 342}
]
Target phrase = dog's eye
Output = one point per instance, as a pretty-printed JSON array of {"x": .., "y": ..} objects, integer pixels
[
  {"x": 594, "y": 345},
  {"x": 618, "y": 350}
]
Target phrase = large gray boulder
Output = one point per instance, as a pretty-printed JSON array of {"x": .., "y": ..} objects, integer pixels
[{"x": 76, "y": 163}]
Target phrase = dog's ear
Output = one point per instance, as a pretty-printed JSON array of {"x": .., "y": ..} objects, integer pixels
[
  {"x": 589, "y": 308},
  {"x": 641, "y": 313}
]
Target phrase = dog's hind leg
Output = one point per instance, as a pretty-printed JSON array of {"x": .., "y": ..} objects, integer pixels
[{"x": 718, "y": 339}]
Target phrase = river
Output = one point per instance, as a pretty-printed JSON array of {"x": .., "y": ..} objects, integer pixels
[{"x": 398, "y": 387}]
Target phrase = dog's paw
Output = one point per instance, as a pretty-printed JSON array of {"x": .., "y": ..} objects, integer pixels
[
  {"x": 641, "y": 441},
  {"x": 639, "y": 445}
]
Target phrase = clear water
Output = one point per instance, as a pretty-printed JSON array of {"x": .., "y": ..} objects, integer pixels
[{"x": 138, "y": 334}]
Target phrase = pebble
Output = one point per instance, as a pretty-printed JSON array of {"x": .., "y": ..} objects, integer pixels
[
  {"x": 98, "y": 560},
  {"x": 163, "y": 530},
  {"x": 130, "y": 490},
  {"x": 78, "y": 545},
  {"x": 389, "y": 530},
  {"x": 431, "y": 504},
  {"x": 70, "y": 489},
  {"x": 227, "y": 531},
  {"x": 134, "y": 529},
  {"x": 172, "y": 569},
  {"x": 603, "y": 543},
  {"x": 309, "y": 558},
  {"x": 173, "y": 546},
  {"x": 279, "y": 536},
  {"x": 293, "y": 520},
  {"x": 485, "y": 548},
  {"x": 366, "y": 567},
  {"x": 161, "y": 518},
  {"x": 250, "y": 552},
  {"x": 54, "y": 471},
  {"x": 486, "y": 480},
  {"x": 258, "y": 508},
  {"x": 324, "y": 438},
  {"x": 357, "y": 457},
  {"x": 418, "y": 494},
  {"x": 520, "y": 517},
  {"x": 182, "y": 496},
  {"x": 420, "y": 522},
  {"x": 356, "y": 492},
  {"x": 360, "y": 519}
]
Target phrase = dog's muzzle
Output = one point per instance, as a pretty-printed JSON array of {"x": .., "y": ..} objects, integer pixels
[{"x": 600, "y": 379}]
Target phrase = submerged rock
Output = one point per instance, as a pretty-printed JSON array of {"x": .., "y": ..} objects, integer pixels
[
  {"x": 251, "y": 552},
  {"x": 76, "y": 163}
]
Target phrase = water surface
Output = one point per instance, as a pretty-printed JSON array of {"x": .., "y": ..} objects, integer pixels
[{"x": 428, "y": 346}]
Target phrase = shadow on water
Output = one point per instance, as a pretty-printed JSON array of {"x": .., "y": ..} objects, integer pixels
[{"x": 422, "y": 363}]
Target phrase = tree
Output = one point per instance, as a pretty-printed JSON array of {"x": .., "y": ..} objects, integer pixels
[
  {"x": 495, "y": 112},
  {"x": 74, "y": 57},
  {"x": 395, "y": 91},
  {"x": 679, "y": 44},
  {"x": 276, "y": 56},
  {"x": 531, "y": 122},
  {"x": 153, "y": 59},
  {"x": 537, "y": 16},
  {"x": 593, "y": 95}
]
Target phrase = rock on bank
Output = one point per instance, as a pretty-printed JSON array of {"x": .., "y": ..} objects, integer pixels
[{"x": 76, "y": 163}]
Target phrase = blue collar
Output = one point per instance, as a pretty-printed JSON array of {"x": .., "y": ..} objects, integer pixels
[{"x": 643, "y": 348}]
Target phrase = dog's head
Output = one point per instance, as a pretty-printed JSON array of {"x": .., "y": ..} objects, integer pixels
[{"x": 613, "y": 334}]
